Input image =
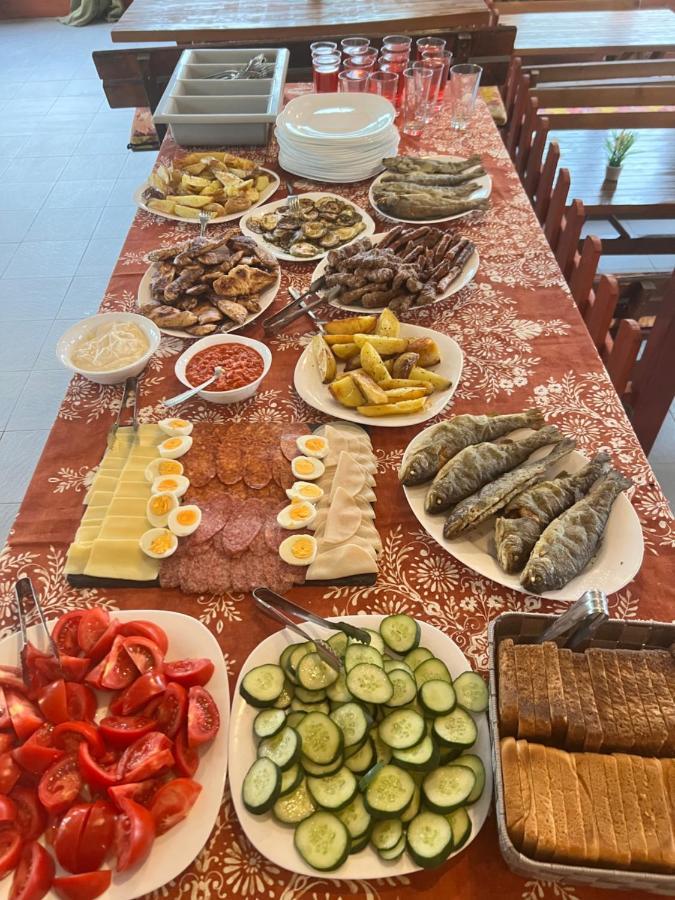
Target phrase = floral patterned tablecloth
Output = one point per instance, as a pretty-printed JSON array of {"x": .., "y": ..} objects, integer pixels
[{"x": 524, "y": 343}]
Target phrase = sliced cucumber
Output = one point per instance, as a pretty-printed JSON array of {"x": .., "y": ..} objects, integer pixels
[
  {"x": 448, "y": 754},
  {"x": 322, "y": 841},
  {"x": 402, "y": 729},
  {"x": 309, "y": 696},
  {"x": 298, "y": 706},
  {"x": 396, "y": 851},
  {"x": 353, "y": 722},
  {"x": 400, "y": 633},
  {"x": 261, "y": 786},
  {"x": 338, "y": 643},
  {"x": 285, "y": 698},
  {"x": 391, "y": 664},
  {"x": 386, "y": 834},
  {"x": 294, "y": 717},
  {"x": 382, "y": 752},
  {"x": 363, "y": 759},
  {"x": 369, "y": 683},
  {"x": 285, "y": 661},
  {"x": 294, "y": 807},
  {"x": 423, "y": 757},
  {"x": 322, "y": 740},
  {"x": 389, "y": 792},
  {"x": 360, "y": 844},
  {"x": 333, "y": 792},
  {"x": 460, "y": 823},
  {"x": 316, "y": 771},
  {"x": 283, "y": 749},
  {"x": 357, "y": 818},
  {"x": 360, "y": 653},
  {"x": 472, "y": 692},
  {"x": 457, "y": 729},
  {"x": 437, "y": 697},
  {"x": 290, "y": 779},
  {"x": 337, "y": 691},
  {"x": 299, "y": 651},
  {"x": 261, "y": 686},
  {"x": 314, "y": 674},
  {"x": 429, "y": 839},
  {"x": 268, "y": 722},
  {"x": 413, "y": 807},
  {"x": 475, "y": 763},
  {"x": 430, "y": 670},
  {"x": 417, "y": 656},
  {"x": 447, "y": 787},
  {"x": 405, "y": 689},
  {"x": 375, "y": 640}
]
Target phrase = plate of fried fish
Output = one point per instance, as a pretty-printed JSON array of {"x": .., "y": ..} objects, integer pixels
[
  {"x": 209, "y": 285},
  {"x": 511, "y": 498},
  {"x": 430, "y": 189}
]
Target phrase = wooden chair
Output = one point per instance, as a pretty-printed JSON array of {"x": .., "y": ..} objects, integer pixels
[
  {"x": 512, "y": 81},
  {"x": 534, "y": 166},
  {"x": 569, "y": 234},
  {"x": 545, "y": 184},
  {"x": 515, "y": 123},
  {"x": 527, "y": 131},
  {"x": 556, "y": 208}
]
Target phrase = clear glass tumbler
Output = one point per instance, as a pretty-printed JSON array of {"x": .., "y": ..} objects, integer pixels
[
  {"x": 446, "y": 56},
  {"x": 397, "y": 69},
  {"x": 325, "y": 68},
  {"x": 396, "y": 43},
  {"x": 385, "y": 84},
  {"x": 354, "y": 45},
  {"x": 429, "y": 45},
  {"x": 436, "y": 69},
  {"x": 319, "y": 47},
  {"x": 365, "y": 60},
  {"x": 353, "y": 81},
  {"x": 464, "y": 81},
  {"x": 415, "y": 99}
]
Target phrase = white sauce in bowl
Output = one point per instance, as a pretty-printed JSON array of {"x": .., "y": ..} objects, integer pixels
[{"x": 109, "y": 346}]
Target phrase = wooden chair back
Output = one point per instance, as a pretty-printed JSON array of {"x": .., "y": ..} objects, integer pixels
[
  {"x": 512, "y": 81},
  {"x": 534, "y": 165},
  {"x": 544, "y": 188},
  {"x": 565, "y": 249},
  {"x": 556, "y": 208},
  {"x": 515, "y": 123},
  {"x": 582, "y": 276},
  {"x": 527, "y": 130}
]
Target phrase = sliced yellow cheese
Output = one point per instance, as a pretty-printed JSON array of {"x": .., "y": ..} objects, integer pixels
[
  {"x": 93, "y": 514},
  {"x": 149, "y": 435},
  {"x": 120, "y": 559},
  {"x": 138, "y": 454},
  {"x": 117, "y": 528},
  {"x": 104, "y": 482},
  {"x": 85, "y": 534},
  {"x": 100, "y": 498},
  {"x": 77, "y": 559},
  {"x": 125, "y": 506},
  {"x": 133, "y": 490}
]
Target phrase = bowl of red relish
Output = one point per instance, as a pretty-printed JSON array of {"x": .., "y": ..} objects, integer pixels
[{"x": 245, "y": 363}]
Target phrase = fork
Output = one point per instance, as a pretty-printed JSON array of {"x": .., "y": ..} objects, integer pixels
[
  {"x": 292, "y": 197},
  {"x": 204, "y": 219}
]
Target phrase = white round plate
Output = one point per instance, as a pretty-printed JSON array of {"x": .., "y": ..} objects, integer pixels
[
  {"x": 275, "y": 841},
  {"x": 466, "y": 277},
  {"x": 309, "y": 386},
  {"x": 344, "y": 118},
  {"x": 483, "y": 191},
  {"x": 145, "y": 296},
  {"x": 264, "y": 195},
  {"x": 334, "y": 177},
  {"x": 174, "y": 851},
  {"x": 312, "y": 195},
  {"x": 614, "y": 565}
]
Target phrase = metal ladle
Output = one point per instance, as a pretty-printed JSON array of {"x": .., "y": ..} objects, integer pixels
[{"x": 180, "y": 398}]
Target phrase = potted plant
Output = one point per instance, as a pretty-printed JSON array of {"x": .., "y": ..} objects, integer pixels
[{"x": 619, "y": 144}]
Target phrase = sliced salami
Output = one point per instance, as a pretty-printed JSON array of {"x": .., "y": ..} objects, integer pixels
[
  {"x": 200, "y": 460},
  {"x": 215, "y": 514},
  {"x": 240, "y": 575},
  {"x": 242, "y": 528},
  {"x": 289, "y": 437},
  {"x": 283, "y": 476},
  {"x": 169, "y": 574},
  {"x": 229, "y": 458},
  {"x": 274, "y": 534},
  {"x": 258, "y": 468}
]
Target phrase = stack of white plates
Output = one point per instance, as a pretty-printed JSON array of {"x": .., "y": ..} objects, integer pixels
[{"x": 336, "y": 137}]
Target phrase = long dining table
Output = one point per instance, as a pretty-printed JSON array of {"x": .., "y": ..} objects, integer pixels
[{"x": 524, "y": 345}]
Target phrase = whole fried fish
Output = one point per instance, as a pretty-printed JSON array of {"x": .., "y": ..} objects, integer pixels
[
  {"x": 531, "y": 511},
  {"x": 570, "y": 541},
  {"x": 431, "y": 166},
  {"x": 448, "y": 438},
  {"x": 433, "y": 180},
  {"x": 411, "y": 187},
  {"x": 425, "y": 205},
  {"x": 475, "y": 509},
  {"x": 479, "y": 464}
]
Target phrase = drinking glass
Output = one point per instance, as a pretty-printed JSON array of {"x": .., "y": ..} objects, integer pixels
[
  {"x": 325, "y": 68},
  {"x": 352, "y": 81},
  {"x": 320, "y": 47},
  {"x": 436, "y": 69},
  {"x": 429, "y": 45},
  {"x": 385, "y": 84},
  {"x": 464, "y": 81},
  {"x": 361, "y": 60},
  {"x": 415, "y": 98},
  {"x": 396, "y": 43},
  {"x": 446, "y": 56},
  {"x": 354, "y": 45},
  {"x": 391, "y": 56},
  {"x": 396, "y": 69}
]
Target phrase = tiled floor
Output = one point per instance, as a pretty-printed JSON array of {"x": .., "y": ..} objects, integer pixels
[{"x": 65, "y": 208}]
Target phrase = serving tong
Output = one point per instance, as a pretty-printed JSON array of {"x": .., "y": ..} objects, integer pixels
[
  {"x": 577, "y": 624},
  {"x": 276, "y": 606},
  {"x": 130, "y": 385},
  {"x": 23, "y": 590},
  {"x": 300, "y": 305}
]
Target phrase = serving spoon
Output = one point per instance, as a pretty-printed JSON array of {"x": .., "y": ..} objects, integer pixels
[{"x": 180, "y": 398}]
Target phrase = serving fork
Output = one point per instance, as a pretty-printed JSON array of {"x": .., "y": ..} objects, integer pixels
[{"x": 292, "y": 197}]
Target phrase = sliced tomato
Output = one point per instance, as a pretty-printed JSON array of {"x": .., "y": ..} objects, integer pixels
[
  {"x": 145, "y": 653},
  {"x": 53, "y": 702},
  {"x": 173, "y": 802},
  {"x": 7, "y": 740},
  {"x": 61, "y": 784},
  {"x": 81, "y": 702},
  {"x": 203, "y": 717},
  {"x": 187, "y": 759},
  {"x": 31, "y": 819},
  {"x": 69, "y": 836},
  {"x": 142, "y": 792},
  {"x": 10, "y": 677},
  {"x": 189, "y": 672},
  {"x": 7, "y": 810},
  {"x": 5, "y": 720},
  {"x": 42, "y": 668},
  {"x": 10, "y": 850},
  {"x": 93, "y": 676},
  {"x": 105, "y": 642},
  {"x": 86, "y": 886},
  {"x": 34, "y": 874},
  {"x": 97, "y": 836},
  {"x": 97, "y": 774},
  {"x": 25, "y": 715},
  {"x": 119, "y": 670},
  {"x": 64, "y": 632},
  {"x": 69, "y": 735},
  {"x": 91, "y": 626},
  {"x": 139, "y": 693},
  {"x": 146, "y": 757},
  {"x": 172, "y": 710},
  {"x": 38, "y": 752},
  {"x": 9, "y": 772},
  {"x": 121, "y": 731},
  {"x": 146, "y": 629},
  {"x": 74, "y": 668},
  {"x": 135, "y": 834}
]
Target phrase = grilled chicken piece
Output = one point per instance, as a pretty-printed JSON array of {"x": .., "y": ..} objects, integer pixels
[
  {"x": 186, "y": 279},
  {"x": 235, "y": 311}
]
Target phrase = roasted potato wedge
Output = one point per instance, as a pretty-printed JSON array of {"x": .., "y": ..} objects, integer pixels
[
  {"x": 392, "y": 384},
  {"x": 383, "y": 345},
  {"x": 332, "y": 339},
  {"x": 187, "y": 212},
  {"x": 166, "y": 206},
  {"x": 354, "y": 362},
  {"x": 324, "y": 359},
  {"x": 407, "y": 393},
  {"x": 387, "y": 324},
  {"x": 403, "y": 364},
  {"x": 345, "y": 351},
  {"x": 402, "y": 408},
  {"x": 352, "y": 325},
  {"x": 371, "y": 362},
  {"x": 369, "y": 387},
  {"x": 190, "y": 200},
  {"x": 437, "y": 381},
  {"x": 346, "y": 392},
  {"x": 427, "y": 348}
]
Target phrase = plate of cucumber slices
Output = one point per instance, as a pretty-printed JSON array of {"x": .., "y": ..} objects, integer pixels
[{"x": 379, "y": 769}]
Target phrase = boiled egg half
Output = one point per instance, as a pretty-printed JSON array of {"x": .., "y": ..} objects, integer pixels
[
  {"x": 298, "y": 549},
  {"x": 312, "y": 445},
  {"x": 297, "y": 515},
  {"x": 158, "y": 508},
  {"x": 175, "y": 426},
  {"x": 158, "y": 543},
  {"x": 185, "y": 519},
  {"x": 305, "y": 490},
  {"x": 170, "y": 484},
  {"x": 306, "y": 468},
  {"x": 161, "y": 466},
  {"x": 175, "y": 447}
]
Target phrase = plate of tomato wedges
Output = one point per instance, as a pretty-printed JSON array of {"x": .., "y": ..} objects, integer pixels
[{"x": 113, "y": 757}]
